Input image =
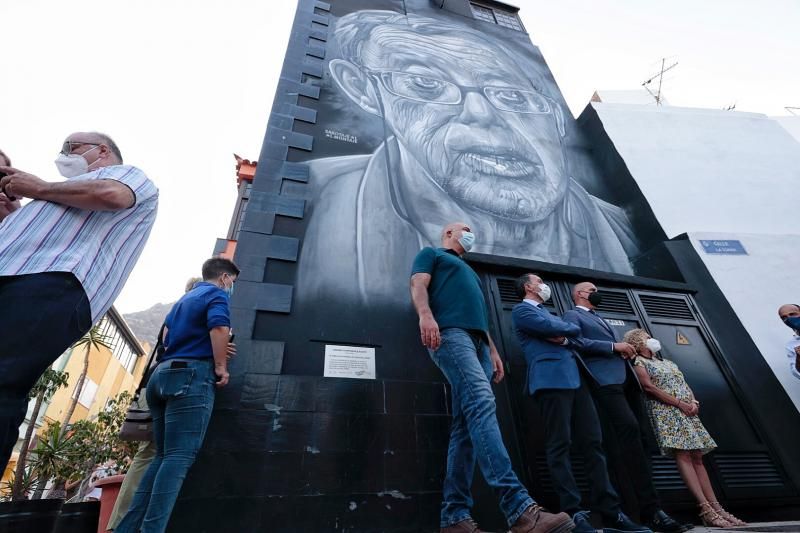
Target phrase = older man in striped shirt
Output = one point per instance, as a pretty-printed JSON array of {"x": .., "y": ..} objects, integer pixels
[{"x": 64, "y": 258}]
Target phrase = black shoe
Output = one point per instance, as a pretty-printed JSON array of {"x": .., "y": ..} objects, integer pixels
[
  {"x": 664, "y": 523},
  {"x": 582, "y": 523},
  {"x": 623, "y": 524}
]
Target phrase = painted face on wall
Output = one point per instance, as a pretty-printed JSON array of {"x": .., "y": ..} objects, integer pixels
[{"x": 460, "y": 107}]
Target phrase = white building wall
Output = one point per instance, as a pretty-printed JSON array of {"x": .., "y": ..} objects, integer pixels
[
  {"x": 790, "y": 124},
  {"x": 755, "y": 285},
  {"x": 709, "y": 170},
  {"x": 723, "y": 175}
]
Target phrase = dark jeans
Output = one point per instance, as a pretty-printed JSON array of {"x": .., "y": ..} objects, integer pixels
[
  {"x": 475, "y": 434},
  {"x": 41, "y": 315},
  {"x": 613, "y": 405},
  {"x": 570, "y": 415},
  {"x": 180, "y": 394}
]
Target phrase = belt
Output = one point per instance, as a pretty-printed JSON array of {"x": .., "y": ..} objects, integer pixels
[{"x": 184, "y": 363}]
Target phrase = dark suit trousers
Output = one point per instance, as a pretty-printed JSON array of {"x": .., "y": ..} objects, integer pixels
[
  {"x": 41, "y": 315},
  {"x": 570, "y": 415},
  {"x": 616, "y": 411}
]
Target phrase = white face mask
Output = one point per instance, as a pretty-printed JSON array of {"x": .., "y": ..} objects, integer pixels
[
  {"x": 71, "y": 165},
  {"x": 467, "y": 240},
  {"x": 654, "y": 345},
  {"x": 544, "y": 292}
]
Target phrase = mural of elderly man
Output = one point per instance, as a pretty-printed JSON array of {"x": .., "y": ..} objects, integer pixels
[{"x": 469, "y": 135}]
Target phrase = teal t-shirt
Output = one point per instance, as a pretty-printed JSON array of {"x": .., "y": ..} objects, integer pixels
[{"x": 455, "y": 293}]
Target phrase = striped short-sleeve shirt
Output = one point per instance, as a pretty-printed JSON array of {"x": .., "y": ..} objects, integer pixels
[{"x": 99, "y": 247}]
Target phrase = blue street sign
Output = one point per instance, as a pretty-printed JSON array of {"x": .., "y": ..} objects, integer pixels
[{"x": 723, "y": 247}]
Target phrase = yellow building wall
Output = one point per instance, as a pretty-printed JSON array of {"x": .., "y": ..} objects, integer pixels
[
  {"x": 99, "y": 360},
  {"x": 109, "y": 374}
]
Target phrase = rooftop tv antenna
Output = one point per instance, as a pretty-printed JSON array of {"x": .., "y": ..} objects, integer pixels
[{"x": 660, "y": 77}]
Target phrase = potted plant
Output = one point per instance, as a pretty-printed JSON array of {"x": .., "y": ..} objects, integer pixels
[
  {"x": 97, "y": 459},
  {"x": 52, "y": 457}
]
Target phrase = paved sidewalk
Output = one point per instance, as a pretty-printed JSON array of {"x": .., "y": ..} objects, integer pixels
[
  {"x": 755, "y": 527},
  {"x": 759, "y": 527}
]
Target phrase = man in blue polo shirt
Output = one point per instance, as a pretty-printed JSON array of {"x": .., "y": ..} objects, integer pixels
[
  {"x": 180, "y": 393},
  {"x": 454, "y": 326}
]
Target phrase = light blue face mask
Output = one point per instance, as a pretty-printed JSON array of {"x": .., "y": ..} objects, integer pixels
[
  {"x": 467, "y": 240},
  {"x": 228, "y": 290}
]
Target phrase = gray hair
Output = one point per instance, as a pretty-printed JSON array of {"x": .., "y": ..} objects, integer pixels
[
  {"x": 355, "y": 30},
  {"x": 108, "y": 141}
]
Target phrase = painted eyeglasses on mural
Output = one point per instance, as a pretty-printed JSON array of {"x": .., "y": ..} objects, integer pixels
[{"x": 428, "y": 89}]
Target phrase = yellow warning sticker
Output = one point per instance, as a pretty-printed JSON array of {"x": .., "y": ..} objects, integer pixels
[{"x": 682, "y": 339}]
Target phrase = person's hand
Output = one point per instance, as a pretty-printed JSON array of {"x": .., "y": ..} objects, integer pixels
[
  {"x": 556, "y": 340},
  {"x": 696, "y": 406},
  {"x": 222, "y": 375},
  {"x": 429, "y": 331},
  {"x": 686, "y": 408},
  {"x": 625, "y": 350},
  {"x": 7, "y": 206},
  {"x": 20, "y": 184},
  {"x": 497, "y": 366},
  {"x": 230, "y": 351}
]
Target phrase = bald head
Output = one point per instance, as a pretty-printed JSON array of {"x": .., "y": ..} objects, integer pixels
[
  {"x": 581, "y": 293},
  {"x": 788, "y": 310},
  {"x": 451, "y": 235},
  {"x": 108, "y": 153}
]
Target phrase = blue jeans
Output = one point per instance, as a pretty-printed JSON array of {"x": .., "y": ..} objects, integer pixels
[
  {"x": 41, "y": 315},
  {"x": 180, "y": 401},
  {"x": 465, "y": 362}
]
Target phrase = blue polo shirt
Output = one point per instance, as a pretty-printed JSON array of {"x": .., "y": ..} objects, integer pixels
[
  {"x": 190, "y": 319},
  {"x": 455, "y": 293}
]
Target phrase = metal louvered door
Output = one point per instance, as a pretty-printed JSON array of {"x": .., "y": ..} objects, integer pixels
[{"x": 742, "y": 467}]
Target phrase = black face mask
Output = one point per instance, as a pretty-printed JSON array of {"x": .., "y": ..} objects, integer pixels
[{"x": 595, "y": 298}]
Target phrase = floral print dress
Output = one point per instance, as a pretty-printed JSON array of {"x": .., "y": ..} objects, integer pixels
[{"x": 674, "y": 430}]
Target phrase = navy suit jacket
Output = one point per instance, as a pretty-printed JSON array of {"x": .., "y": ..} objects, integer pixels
[
  {"x": 550, "y": 366},
  {"x": 596, "y": 347}
]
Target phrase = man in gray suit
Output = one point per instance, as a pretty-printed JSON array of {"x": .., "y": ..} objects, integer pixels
[
  {"x": 606, "y": 360},
  {"x": 565, "y": 405}
]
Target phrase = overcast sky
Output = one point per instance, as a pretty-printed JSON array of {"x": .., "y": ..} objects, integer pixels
[{"x": 182, "y": 85}]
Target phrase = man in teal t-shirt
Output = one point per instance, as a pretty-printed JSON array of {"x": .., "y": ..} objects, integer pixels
[{"x": 454, "y": 326}]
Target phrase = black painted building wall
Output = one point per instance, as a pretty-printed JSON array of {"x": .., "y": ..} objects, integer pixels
[{"x": 390, "y": 119}]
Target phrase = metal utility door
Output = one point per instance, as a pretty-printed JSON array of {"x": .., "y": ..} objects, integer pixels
[{"x": 742, "y": 467}]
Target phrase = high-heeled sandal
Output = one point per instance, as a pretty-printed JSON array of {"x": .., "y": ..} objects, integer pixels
[
  {"x": 711, "y": 517},
  {"x": 726, "y": 515}
]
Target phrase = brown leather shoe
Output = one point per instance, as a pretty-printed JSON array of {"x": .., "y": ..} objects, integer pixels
[
  {"x": 465, "y": 526},
  {"x": 536, "y": 520}
]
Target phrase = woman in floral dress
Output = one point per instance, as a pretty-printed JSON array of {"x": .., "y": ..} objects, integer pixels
[{"x": 673, "y": 412}]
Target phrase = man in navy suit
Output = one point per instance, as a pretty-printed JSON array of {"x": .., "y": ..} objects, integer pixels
[
  {"x": 565, "y": 404},
  {"x": 607, "y": 363}
]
